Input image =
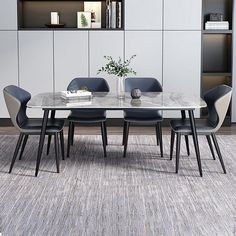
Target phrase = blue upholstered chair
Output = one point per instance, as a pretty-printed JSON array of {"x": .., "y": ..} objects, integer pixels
[
  {"x": 218, "y": 100},
  {"x": 146, "y": 116},
  {"x": 88, "y": 116},
  {"x": 16, "y": 100}
]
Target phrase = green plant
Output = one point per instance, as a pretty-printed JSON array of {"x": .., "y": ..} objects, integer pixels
[
  {"x": 84, "y": 21},
  {"x": 119, "y": 68}
]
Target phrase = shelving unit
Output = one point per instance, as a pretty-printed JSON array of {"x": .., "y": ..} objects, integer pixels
[
  {"x": 34, "y": 15},
  {"x": 216, "y": 49}
]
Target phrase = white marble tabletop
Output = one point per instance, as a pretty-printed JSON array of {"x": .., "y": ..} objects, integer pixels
[{"x": 109, "y": 101}]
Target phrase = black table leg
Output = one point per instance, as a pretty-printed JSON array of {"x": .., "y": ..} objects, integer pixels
[
  {"x": 41, "y": 140},
  {"x": 195, "y": 140},
  {"x": 183, "y": 114}
]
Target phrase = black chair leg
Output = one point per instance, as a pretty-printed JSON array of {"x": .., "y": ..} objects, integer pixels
[
  {"x": 16, "y": 151},
  {"x": 126, "y": 138},
  {"x": 218, "y": 152},
  {"x": 69, "y": 140},
  {"x": 210, "y": 146},
  {"x": 103, "y": 138},
  {"x": 124, "y": 132},
  {"x": 23, "y": 146},
  {"x": 62, "y": 145},
  {"x": 187, "y": 144},
  {"x": 56, "y": 144},
  {"x": 105, "y": 129},
  {"x": 49, "y": 143},
  {"x": 172, "y": 140},
  {"x": 72, "y": 133},
  {"x": 177, "y": 152},
  {"x": 159, "y": 134}
]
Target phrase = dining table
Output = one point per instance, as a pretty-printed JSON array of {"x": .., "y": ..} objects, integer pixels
[{"x": 183, "y": 102}]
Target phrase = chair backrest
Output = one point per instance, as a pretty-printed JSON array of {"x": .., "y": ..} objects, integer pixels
[
  {"x": 145, "y": 84},
  {"x": 16, "y": 99},
  {"x": 94, "y": 84},
  {"x": 218, "y": 100}
]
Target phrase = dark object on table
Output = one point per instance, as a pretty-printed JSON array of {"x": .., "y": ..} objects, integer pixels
[
  {"x": 55, "y": 25},
  {"x": 216, "y": 17},
  {"x": 136, "y": 93}
]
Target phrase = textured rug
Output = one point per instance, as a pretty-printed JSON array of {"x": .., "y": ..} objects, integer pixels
[{"x": 139, "y": 195}]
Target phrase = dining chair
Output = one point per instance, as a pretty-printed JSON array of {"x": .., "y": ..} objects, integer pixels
[
  {"x": 143, "y": 116},
  {"x": 83, "y": 116},
  {"x": 16, "y": 100},
  {"x": 218, "y": 100}
]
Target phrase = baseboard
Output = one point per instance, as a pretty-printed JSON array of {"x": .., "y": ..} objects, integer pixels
[{"x": 115, "y": 122}]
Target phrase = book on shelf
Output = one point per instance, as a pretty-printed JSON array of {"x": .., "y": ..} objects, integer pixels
[
  {"x": 113, "y": 14},
  {"x": 217, "y": 25}
]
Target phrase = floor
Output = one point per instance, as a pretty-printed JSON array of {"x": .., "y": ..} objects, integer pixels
[{"x": 139, "y": 195}]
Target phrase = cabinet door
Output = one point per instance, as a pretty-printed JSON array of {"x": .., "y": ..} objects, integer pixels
[
  {"x": 8, "y": 15},
  {"x": 36, "y": 62},
  {"x": 182, "y": 14},
  {"x": 147, "y": 46},
  {"x": 8, "y": 65},
  {"x": 70, "y": 57},
  {"x": 104, "y": 43},
  {"x": 143, "y": 15},
  {"x": 233, "y": 106},
  {"x": 182, "y": 64}
]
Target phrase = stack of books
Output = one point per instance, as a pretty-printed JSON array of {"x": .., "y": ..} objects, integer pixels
[
  {"x": 76, "y": 96},
  {"x": 217, "y": 25},
  {"x": 113, "y": 14}
]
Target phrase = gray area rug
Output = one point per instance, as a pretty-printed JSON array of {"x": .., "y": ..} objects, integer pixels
[{"x": 140, "y": 195}]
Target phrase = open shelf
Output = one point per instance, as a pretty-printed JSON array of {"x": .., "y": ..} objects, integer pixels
[
  {"x": 217, "y": 31},
  {"x": 34, "y": 15},
  {"x": 216, "y": 54}
]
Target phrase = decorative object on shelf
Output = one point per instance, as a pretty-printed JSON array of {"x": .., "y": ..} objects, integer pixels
[
  {"x": 120, "y": 69},
  {"x": 84, "y": 19},
  {"x": 108, "y": 14},
  {"x": 54, "y": 18},
  {"x": 95, "y": 9},
  {"x": 216, "y": 17},
  {"x": 136, "y": 93}
]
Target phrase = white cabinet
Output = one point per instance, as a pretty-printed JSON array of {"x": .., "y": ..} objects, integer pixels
[
  {"x": 8, "y": 65},
  {"x": 233, "y": 106},
  {"x": 104, "y": 43},
  {"x": 8, "y": 15},
  {"x": 182, "y": 14},
  {"x": 36, "y": 62},
  {"x": 143, "y": 15},
  {"x": 182, "y": 63},
  {"x": 70, "y": 57},
  {"x": 147, "y": 46}
]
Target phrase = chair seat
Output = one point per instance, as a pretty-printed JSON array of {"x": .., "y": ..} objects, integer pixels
[
  {"x": 142, "y": 115},
  {"x": 87, "y": 116},
  {"x": 183, "y": 126},
  {"x": 35, "y": 125}
]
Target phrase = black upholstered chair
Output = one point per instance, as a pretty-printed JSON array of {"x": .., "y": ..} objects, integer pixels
[
  {"x": 16, "y": 100},
  {"x": 88, "y": 116},
  {"x": 149, "y": 116},
  {"x": 218, "y": 100}
]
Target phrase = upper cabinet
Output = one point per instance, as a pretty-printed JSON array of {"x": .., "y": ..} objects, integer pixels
[
  {"x": 147, "y": 47},
  {"x": 8, "y": 15},
  {"x": 182, "y": 14},
  {"x": 70, "y": 57},
  {"x": 143, "y": 15},
  {"x": 8, "y": 64}
]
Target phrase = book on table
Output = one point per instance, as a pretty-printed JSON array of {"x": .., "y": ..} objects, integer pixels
[{"x": 75, "y": 96}]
